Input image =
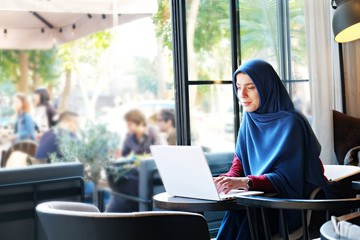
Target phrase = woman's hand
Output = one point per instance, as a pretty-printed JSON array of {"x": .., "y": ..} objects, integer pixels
[{"x": 226, "y": 184}]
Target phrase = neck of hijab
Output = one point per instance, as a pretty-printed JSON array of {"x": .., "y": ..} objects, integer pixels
[{"x": 276, "y": 140}]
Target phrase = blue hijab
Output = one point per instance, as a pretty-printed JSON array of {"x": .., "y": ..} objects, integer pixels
[{"x": 276, "y": 140}]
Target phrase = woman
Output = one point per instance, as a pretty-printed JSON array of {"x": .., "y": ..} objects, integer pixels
[
  {"x": 24, "y": 126},
  {"x": 276, "y": 149},
  {"x": 44, "y": 112}
]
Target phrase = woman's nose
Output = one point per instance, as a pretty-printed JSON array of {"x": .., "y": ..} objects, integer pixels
[{"x": 241, "y": 93}]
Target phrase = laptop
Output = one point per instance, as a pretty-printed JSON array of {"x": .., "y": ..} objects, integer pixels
[{"x": 186, "y": 173}]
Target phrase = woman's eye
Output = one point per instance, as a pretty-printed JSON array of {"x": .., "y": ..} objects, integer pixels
[{"x": 252, "y": 87}]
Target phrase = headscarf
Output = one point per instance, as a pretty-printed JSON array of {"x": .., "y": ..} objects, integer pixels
[{"x": 276, "y": 140}]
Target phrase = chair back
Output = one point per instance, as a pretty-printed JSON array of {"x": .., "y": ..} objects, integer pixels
[
  {"x": 252, "y": 203},
  {"x": 77, "y": 221},
  {"x": 26, "y": 146},
  {"x": 21, "y": 189},
  {"x": 346, "y": 134}
]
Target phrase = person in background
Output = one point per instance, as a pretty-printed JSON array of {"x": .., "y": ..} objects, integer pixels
[
  {"x": 166, "y": 123},
  {"x": 24, "y": 128},
  {"x": 140, "y": 134},
  {"x": 44, "y": 111},
  {"x": 276, "y": 150},
  {"x": 68, "y": 123}
]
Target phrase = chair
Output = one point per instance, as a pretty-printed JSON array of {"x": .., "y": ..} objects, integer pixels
[
  {"x": 264, "y": 204},
  {"x": 346, "y": 134},
  {"x": 77, "y": 221},
  {"x": 26, "y": 146},
  {"x": 21, "y": 189},
  {"x": 353, "y": 156}
]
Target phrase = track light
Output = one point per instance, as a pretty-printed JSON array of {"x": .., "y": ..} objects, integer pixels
[
  {"x": 103, "y": 16},
  {"x": 5, "y": 33},
  {"x": 89, "y": 16}
]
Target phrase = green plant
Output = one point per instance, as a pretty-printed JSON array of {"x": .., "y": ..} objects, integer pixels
[{"x": 95, "y": 148}]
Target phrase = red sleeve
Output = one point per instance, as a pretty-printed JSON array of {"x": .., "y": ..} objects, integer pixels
[
  {"x": 323, "y": 170},
  {"x": 261, "y": 183},
  {"x": 236, "y": 169}
]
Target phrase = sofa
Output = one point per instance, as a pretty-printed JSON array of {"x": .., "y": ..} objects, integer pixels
[{"x": 21, "y": 189}]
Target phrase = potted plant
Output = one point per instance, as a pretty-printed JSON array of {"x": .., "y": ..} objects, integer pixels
[
  {"x": 95, "y": 148},
  {"x": 123, "y": 178}
]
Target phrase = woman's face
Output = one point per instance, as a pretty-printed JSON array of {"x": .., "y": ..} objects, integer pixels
[
  {"x": 17, "y": 104},
  {"x": 247, "y": 93}
]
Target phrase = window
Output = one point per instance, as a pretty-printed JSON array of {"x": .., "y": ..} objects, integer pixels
[
  {"x": 274, "y": 30},
  {"x": 209, "y": 66},
  {"x": 110, "y": 73},
  {"x": 209, "y": 43}
]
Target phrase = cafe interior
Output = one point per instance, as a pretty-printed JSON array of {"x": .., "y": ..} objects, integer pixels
[{"x": 188, "y": 57}]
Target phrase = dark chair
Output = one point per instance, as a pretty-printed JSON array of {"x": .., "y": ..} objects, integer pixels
[
  {"x": 346, "y": 134},
  {"x": 352, "y": 157},
  {"x": 77, "y": 221},
  {"x": 253, "y": 204},
  {"x": 26, "y": 146},
  {"x": 21, "y": 189}
]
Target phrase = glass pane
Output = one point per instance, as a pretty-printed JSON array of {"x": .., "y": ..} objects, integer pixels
[
  {"x": 301, "y": 98},
  {"x": 298, "y": 40},
  {"x": 106, "y": 75},
  {"x": 259, "y": 31},
  {"x": 212, "y": 117},
  {"x": 208, "y": 40}
]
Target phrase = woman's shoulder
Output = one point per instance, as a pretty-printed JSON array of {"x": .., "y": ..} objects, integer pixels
[
  {"x": 291, "y": 119},
  {"x": 27, "y": 117}
]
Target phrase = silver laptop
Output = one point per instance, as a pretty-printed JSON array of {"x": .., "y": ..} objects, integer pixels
[{"x": 186, "y": 173}]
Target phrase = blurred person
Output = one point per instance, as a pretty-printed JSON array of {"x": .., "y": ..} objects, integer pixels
[
  {"x": 44, "y": 111},
  {"x": 24, "y": 126},
  {"x": 140, "y": 134},
  {"x": 166, "y": 123},
  {"x": 68, "y": 123}
]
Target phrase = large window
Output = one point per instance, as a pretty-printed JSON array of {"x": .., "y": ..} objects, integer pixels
[
  {"x": 209, "y": 79},
  {"x": 101, "y": 77},
  {"x": 211, "y": 39},
  {"x": 274, "y": 30}
]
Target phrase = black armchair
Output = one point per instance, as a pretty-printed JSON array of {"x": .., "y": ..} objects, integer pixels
[{"x": 77, "y": 221}]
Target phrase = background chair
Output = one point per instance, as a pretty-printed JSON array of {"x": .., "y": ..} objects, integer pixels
[
  {"x": 346, "y": 134},
  {"x": 77, "y": 221},
  {"x": 26, "y": 146},
  {"x": 265, "y": 204},
  {"x": 21, "y": 189},
  {"x": 352, "y": 157}
]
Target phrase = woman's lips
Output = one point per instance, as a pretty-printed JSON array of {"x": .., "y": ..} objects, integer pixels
[{"x": 245, "y": 104}]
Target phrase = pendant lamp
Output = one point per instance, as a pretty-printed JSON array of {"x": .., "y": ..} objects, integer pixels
[{"x": 346, "y": 20}]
